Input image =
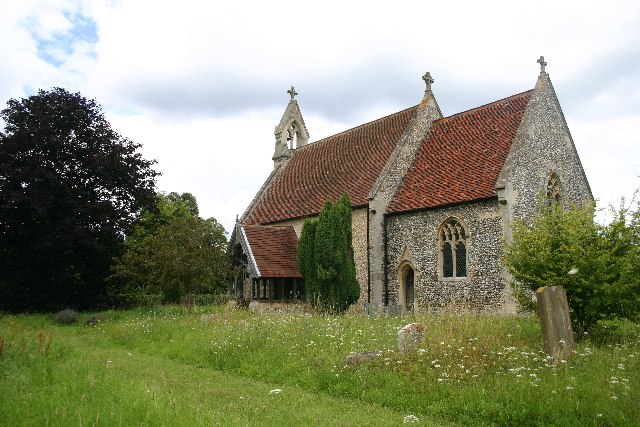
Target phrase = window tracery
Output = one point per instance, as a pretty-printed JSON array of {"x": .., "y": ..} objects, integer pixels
[
  {"x": 554, "y": 189},
  {"x": 453, "y": 247}
]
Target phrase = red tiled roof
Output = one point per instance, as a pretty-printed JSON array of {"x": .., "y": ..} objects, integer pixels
[
  {"x": 350, "y": 162},
  {"x": 462, "y": 156},
  {"x": 274, "y": 250}
]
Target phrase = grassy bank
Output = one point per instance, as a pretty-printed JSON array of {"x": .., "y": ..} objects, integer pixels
[{"x": 168, "y": 367}]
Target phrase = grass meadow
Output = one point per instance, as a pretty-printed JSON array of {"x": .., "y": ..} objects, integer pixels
[{"x": 165, "y": 366}]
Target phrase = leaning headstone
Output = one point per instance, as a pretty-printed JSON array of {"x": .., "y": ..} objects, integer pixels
[
  {"x": 254, "y": 306},
  {"x": 410, "y": 337},
  {"x": 556, "y": 323},
  {"x": 187, "y": 302}
]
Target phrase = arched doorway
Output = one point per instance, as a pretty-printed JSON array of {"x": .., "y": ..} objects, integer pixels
[{"x": 409, "y": 289}]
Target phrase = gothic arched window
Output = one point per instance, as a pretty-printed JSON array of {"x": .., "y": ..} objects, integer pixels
[
  {"x": 554, "y": 189},
  {"x": 453, "y": 248}
]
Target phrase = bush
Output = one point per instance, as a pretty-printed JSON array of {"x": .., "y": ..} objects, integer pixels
[
  {"x": 615, "y": 331},
  {"x": 597, "y": 265},
  {"x": 136, "y": 297},
  {"x": 66, "y": 317},
  {"x": 210, "y": 299}
]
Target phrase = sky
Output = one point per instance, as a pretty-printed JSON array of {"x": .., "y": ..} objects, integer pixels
[{"x": 202, "y": 84}]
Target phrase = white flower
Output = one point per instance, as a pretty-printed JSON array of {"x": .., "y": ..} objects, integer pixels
[
  {"x": 573, "y": 271},
  {"x": 410, "y": 419},
  {"x": 275, "y": 391}
]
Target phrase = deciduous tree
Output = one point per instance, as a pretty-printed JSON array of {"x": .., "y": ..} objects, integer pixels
[
  {"x": 70, "y": 189},
  {"x": 174, "y": 252}
]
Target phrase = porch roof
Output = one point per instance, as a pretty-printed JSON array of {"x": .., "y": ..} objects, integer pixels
[{"x": 272, "y": 251}]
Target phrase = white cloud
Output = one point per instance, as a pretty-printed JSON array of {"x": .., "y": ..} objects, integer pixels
[{"x": 202, "y": 84}]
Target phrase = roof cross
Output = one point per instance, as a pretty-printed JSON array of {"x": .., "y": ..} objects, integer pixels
[
  {"x": 428, "y": 81},
  {"x": 542, "y": 64},
  {"x": 292, "y": 92}
]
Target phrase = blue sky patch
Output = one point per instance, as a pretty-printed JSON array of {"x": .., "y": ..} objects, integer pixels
[{"x": 56, "y": 48}]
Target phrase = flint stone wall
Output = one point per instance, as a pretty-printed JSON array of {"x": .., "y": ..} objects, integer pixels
[
  {"x": 416, "y": 234},
  {"x": 543, "y": 145}
]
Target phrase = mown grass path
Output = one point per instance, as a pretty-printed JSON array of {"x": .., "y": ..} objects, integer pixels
[{"x": 76, "y": 382}]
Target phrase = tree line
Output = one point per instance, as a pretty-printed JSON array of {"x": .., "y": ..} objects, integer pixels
[{"x": 81, "y": 223}]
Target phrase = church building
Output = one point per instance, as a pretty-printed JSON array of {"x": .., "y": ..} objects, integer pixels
[{"x": 433, "y": 199}]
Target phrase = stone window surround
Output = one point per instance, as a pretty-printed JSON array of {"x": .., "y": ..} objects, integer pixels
[
  {"x": 467, "y": 240},
  {"x": 553, "y": 187}
]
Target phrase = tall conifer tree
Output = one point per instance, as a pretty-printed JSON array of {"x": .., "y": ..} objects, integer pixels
[{"x": 325, "y": 258}]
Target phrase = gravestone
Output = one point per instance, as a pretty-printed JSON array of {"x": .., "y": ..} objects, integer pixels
[
  {"x": 556, "y": 323},
  {"x": 254, "y": 306},
  {"x": 187, "y": 302},
  {"x": 410, "y": 337}
]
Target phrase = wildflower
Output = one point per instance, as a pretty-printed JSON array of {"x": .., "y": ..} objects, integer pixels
[{"x": 410, "y": 419}]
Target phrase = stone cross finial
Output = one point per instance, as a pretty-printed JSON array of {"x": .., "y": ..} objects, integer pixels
[
  {"x": 428, "y": 81},
  {"x": 542, "y": 64},
  {"x": 292, "y": 92}
]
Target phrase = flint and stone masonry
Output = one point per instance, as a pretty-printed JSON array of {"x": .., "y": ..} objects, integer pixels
[{"x": 412, "y": 180}]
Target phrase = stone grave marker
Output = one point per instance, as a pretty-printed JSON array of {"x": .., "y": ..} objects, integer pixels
[
  {"x": 556, "y": 323},
  {"x": 410, "y": 337},
  {"x": 187, "y": 302}
]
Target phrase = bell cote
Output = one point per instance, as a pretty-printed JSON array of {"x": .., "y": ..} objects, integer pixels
[{"x": 291, "y": 133}]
